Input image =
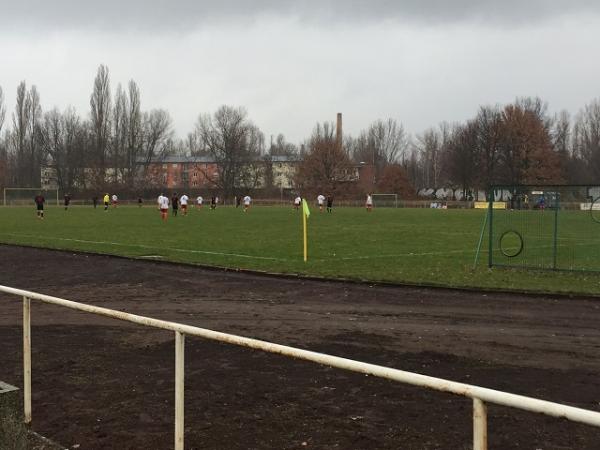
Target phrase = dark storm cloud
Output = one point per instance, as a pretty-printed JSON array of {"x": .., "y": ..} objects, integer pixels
[{"x": 168, "y": 14}]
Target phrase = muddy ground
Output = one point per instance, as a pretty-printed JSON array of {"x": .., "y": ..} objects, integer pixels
[{"x": 104, "y": 384}]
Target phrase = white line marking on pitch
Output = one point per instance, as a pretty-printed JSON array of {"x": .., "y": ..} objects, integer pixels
[{"x": 150, "y": 247}]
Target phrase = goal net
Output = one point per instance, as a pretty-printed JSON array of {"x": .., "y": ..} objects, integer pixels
[
  {"x": 385, "y": 200},
  {"x": 545, "y": 227},
  {"x": 24, "y": 196}
]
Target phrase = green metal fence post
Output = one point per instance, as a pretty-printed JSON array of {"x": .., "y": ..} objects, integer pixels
[
  {"x": 556, "y": 208},
  {"x": 490, "y": 219},
  {"x": 483, "y": 227}
]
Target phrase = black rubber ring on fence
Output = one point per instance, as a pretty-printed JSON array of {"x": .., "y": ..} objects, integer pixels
[
  {"x": 594, "y": 218},
  {"x": 521, "y": 244}
]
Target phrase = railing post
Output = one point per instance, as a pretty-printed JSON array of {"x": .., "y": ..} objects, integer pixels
[
  {"x": 179, "y": 389},
  {"x": 27, "y": 360},
  {"x": 479, "y": 425}
]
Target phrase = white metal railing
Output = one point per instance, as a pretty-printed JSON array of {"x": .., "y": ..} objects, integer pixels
[{"x": 480, "y": 395}]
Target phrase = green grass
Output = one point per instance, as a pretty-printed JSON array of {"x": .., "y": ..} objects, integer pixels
[{"x": 416, "y": 246}]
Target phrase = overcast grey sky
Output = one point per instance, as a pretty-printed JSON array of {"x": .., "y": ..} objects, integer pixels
[{"x": 293, "y": 63}]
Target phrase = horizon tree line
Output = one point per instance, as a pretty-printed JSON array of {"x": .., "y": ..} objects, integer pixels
[{"x": 516, "y": 143}]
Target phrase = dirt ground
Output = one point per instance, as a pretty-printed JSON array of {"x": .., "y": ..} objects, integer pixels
[{"x": 104, "y": 384}]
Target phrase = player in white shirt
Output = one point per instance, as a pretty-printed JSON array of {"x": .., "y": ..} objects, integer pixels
[
  {"x": 369, "y": 203},
  {"x": 163, "y": 206},
  {"x": 199, "y": 201},
  {"x": 183, "y": 201},
  {"x": 115, "y": 200},
  {"x": 321, "y": 202},
  {"x": 247, "y": 202},
  {"x": 297, "y": 202}
]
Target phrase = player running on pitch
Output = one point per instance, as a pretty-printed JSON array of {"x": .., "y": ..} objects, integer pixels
[
  {"x": 369, "y": 203},
  {"x": 175, "y": 204},
  {"x": 39, "y": 203},
  {"x": 297, "y": 202},
  {"x": 115, "y": 200},
  {"x": 247, "y": 202},
  {"x": 106, "y": 200},
  {"x": 163, "y": 206},
  {"x": 199, "y": 201},
  {"x": 183, "y": 201},
  {"x": 330, "y": 203},
  {"x": 321, "y": 202}
]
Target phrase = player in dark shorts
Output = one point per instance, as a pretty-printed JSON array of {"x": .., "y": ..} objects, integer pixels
[
  {"x": 95, "y": 201},
  {"x": 329, "y": 203},
  {"x": 140, "y": 202},
  {"x": 67, "y": 201},
  {"x": 39, "y": 203},
  {"x": 213, "y": 202},
  {"x": 175, "y": 203}
]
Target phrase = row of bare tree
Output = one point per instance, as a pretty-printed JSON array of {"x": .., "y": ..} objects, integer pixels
[
  {"x": 520, "y": 143},
  {"x": 517, "y": 143},
  {"x": 85, "y": 153}
]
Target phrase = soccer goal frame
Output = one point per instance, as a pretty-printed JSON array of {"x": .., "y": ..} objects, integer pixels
[
  {"x": 394, "y": 196},
  {"x": 33, "y": 190}
]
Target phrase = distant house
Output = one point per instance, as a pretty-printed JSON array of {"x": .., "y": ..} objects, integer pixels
[
  {"x": 48, "y": 178},
  {"x": 173, "y": 172},
  {"x": 284, "y": 170}
]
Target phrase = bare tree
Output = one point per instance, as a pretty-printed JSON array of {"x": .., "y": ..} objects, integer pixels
[
  {"x": 135, "y": 130},
  {"x": 489, "y": 122},
  {"x": 462, "y": 158},
  {"x": 100, "y": 104},
  {"x": 54, "y": 145},
  {"x": 119, "y": 135},
  {"x": 586, "y": 140},
  {"x": 3, "y": 153},
  {"x": 326, "y": 164},
  {"x": 385, "y": 142},
  {"x": 561, "y": 142},
  {"x": 2, "y": 110},
  {"x": 20, "y": 120},
  {"x": 157, "y": 134},
  {"x": 430, "y": 146},
  {"x": 35, "y": 156},
  {"x": 280, "y": 147},
  {"x": 234, "y": 143}
]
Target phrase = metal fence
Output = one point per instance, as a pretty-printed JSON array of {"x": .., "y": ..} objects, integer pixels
[
  {"x": 479, "y": 395},
  {"x": 545, "y": 227}
]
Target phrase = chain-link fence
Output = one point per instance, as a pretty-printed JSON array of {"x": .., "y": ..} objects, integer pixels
[{"x": 545, "y": 227}]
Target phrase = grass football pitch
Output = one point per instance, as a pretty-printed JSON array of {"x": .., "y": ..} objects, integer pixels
[{"x": 414, "y": 246}]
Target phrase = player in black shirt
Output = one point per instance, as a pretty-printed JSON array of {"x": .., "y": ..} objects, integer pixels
[
  {"x": 39, "y": 202},
  {"x": 67, "y": 201},
  {"x": 329, "y": 203},
  {"x": 175, "y": 203}
]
